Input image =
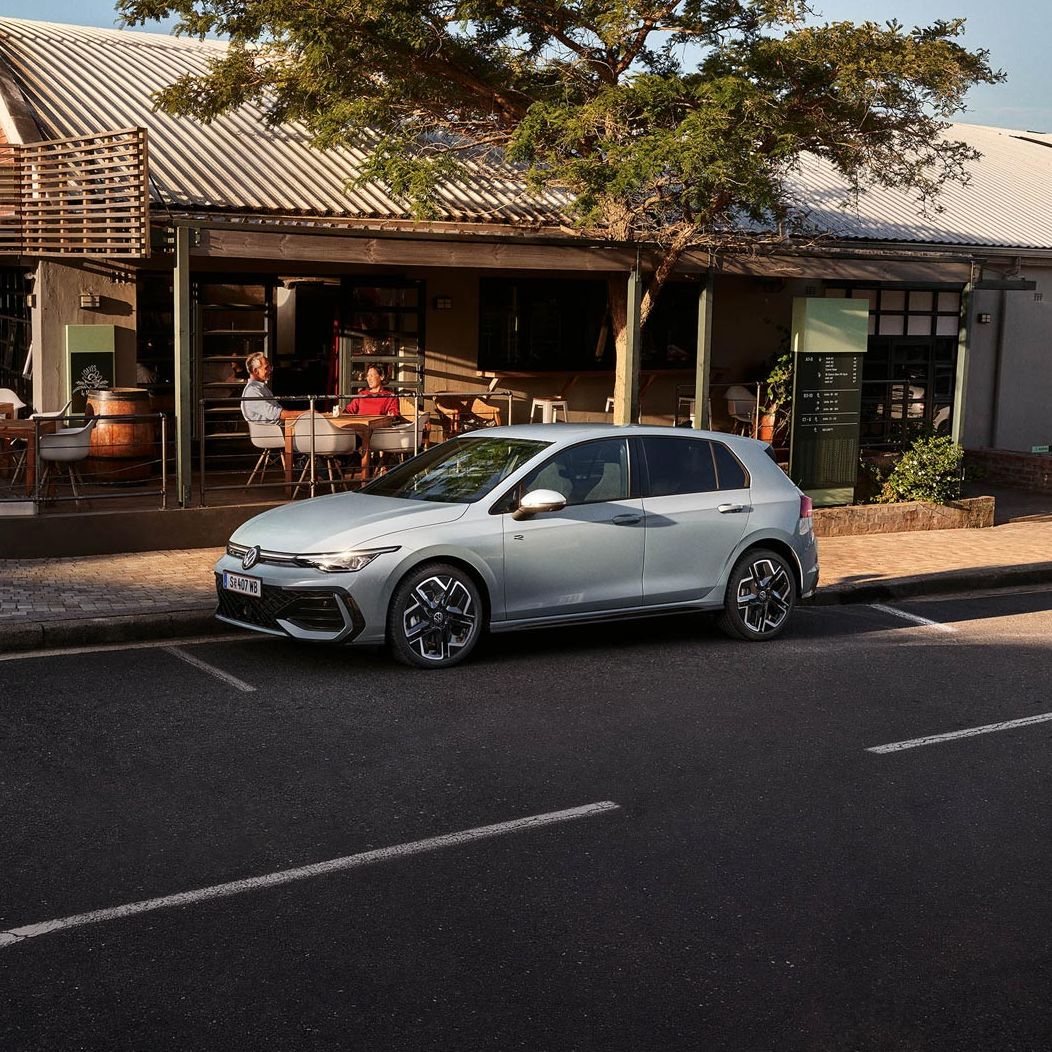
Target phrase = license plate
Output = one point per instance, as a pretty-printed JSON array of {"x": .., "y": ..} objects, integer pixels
[{"x": 235, "y": 582}]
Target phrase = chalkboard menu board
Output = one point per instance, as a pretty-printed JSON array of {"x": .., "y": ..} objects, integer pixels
[{"x": 829, "y": 339}]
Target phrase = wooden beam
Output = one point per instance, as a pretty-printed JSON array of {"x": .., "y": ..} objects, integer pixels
[
  {"x": 626, "y": 375},
  {"x": 704, "y": 357},
  {"x": 408, "y": 252}
]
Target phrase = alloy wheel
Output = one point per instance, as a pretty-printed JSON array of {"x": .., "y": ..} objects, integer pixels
[
  {"x": 439, "y": 618},
  {"x": 765, "y": 596}
]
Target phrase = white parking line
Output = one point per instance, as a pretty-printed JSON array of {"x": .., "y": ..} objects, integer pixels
[
  {"x": 971, "y": 732},
  {"x": 318, "y": 869},
  {"x": 915, "y": 618},
  {"x": 149, "y": 644},
  {"x": 204, "y": 666}
]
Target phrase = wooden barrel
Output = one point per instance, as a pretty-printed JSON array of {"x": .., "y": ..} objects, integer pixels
[{"x": 123, "y": 450}]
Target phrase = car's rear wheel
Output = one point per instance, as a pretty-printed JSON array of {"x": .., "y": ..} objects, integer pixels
[
  {"x": 761, "y": 595},
  {"x": 435, "y": 617}
]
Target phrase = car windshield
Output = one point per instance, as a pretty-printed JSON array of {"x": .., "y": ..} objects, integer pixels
[{"x": 456, "y": 472}]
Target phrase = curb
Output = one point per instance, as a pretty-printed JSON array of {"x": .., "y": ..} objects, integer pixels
[
  {"x": 91, "y": 631},
  {"x": 948, "y": 583}
]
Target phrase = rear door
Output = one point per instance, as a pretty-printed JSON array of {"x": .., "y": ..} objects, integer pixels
[{"x": 696, "y": 509}]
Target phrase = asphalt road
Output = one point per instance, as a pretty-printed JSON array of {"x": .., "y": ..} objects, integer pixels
[{"x": 764, "y": 881}]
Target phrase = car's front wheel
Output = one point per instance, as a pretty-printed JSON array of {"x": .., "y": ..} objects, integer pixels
[
  {"x": 761, "y": 594},
  {"x": 435, "y": 617}
]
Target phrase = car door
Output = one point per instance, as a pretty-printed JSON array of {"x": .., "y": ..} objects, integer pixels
[
  {"x": 587, "y": 557},
  {"x": 693, "y": 523}
]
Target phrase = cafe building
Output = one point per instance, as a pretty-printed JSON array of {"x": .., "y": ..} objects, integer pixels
[{"x": 164, "y": 251}]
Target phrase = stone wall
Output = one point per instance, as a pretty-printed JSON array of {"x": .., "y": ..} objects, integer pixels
[
  {"x": 858, "y": 519},
  {"x": 1003, "y": 467}
]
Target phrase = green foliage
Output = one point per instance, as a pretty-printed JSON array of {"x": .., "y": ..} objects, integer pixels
[
  {"x": 779, "y": 386},
  {"x": 931, "y": 470},
  {"x": 674, "y": 123}
]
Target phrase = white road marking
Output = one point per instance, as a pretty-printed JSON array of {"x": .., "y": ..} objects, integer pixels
[
  {"x": 149, "y": 644},
  {"x": 318, "y": 869},
  {"x": 204, "y": 666},
  {"x": 915, "y": 618},
  {"x": 971, "y": 732}
]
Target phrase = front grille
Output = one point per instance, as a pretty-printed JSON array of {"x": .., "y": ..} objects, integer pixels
[
  {"x": 312, "y": 611},
  {"x": 238, "y": 551}
]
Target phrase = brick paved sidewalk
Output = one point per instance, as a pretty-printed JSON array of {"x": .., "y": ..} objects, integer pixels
[{"x": 58, "y": 602}]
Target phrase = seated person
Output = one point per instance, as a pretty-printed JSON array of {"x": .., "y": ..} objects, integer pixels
[
  {"x": 258, "y": 404},
  {"x": 374, "y": 399}
]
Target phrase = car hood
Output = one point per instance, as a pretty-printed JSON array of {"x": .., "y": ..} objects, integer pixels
[{"x": 340, "y": 522}]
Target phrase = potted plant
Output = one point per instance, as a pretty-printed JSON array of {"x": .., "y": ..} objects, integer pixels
[{"x": 778, "y": 398}]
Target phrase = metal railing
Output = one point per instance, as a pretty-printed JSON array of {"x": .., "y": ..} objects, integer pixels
[
  {"x": 230, "y": 460},
  {"x": 121, "y": 457},
  {"x": 728, "y": 409}
]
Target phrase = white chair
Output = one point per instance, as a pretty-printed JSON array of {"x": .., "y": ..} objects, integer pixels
[
  {"x": 609, "y": 405},
  {"x": 68, "y": 446},
  {"x": 7, "y": 396},
  {"x": 268, "y": 438},
  {"x": 328, "y": 444},
  {"x": 741, "y": 406},
  {"x": 21, "y": 465},
  {"x": 400, "y": 439},
  {"x": 550, "y": 409}
]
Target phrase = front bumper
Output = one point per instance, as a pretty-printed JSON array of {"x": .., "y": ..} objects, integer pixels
[{"x": 311, "y": 613}]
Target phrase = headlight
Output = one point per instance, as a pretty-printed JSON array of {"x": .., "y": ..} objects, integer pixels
[{"x": 343, "y": 562}]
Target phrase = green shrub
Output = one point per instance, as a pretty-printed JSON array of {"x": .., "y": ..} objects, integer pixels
[{"x": 929, "y": 470}]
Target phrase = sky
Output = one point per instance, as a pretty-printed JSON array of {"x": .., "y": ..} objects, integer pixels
[{"x": 1013, "y": 31}]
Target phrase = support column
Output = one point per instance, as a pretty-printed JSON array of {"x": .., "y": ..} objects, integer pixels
[
  {"x": 704, "y": 358},
  {"x": 964, "y": 337},
  {"x": 626, "y": 377},
  {"x": 184, "y": 407}
]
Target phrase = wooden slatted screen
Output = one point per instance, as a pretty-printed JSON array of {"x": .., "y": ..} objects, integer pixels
[{"x": 87, "y": 196}]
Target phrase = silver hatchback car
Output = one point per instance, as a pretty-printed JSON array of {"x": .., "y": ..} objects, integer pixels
[{"x": 529, "y": 526}]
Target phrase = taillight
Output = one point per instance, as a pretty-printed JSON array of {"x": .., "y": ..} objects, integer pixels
[{"x": 805, "y": 524}]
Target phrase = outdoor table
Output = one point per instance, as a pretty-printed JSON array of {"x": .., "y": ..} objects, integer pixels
[
  {"x": 10, "y": 430},
  {"x": 363, "y": 425}
]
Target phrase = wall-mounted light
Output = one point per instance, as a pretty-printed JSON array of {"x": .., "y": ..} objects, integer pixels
[
  {"x": 89, "y": 300},
  {"x": 985, "y": 319},
  {"x": 443, "y": 303}
]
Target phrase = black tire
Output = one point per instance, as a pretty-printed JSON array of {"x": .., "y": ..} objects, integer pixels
[
  {"x": 435, "y": 618},
  {"x": 761, "y": 595}
]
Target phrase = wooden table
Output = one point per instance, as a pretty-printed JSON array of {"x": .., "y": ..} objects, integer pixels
[
  {"x": 363, "y": 425},
  {"x": 25, "y": 430}
]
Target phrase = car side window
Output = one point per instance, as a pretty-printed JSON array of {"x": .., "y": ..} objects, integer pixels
[
  {"x": 679, "y": 465},
  {"x": 729, "y": 471},
  {"x": 584, "y": 474}
]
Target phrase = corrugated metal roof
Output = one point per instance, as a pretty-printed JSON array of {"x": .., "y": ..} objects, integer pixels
[
  {"x": 1006, "y": 203},
  {"x": 82, "y": 80}
]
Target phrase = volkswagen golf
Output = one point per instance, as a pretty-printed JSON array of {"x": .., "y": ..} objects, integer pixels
[{"x": 530, "y": 526}]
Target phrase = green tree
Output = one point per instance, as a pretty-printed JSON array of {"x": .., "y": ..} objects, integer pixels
[{"x": 674, "y": 124}]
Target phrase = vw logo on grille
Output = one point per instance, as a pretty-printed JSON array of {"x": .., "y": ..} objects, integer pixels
[{"x": 250, "y": 558}]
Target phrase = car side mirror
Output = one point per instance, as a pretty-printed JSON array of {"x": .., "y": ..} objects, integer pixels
[{"x": 537, "y": 501}]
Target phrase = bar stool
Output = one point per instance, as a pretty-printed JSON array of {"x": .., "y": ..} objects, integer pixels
[
  {"x": 609, "y": 405},
  {"x": 550, "y": 408}
]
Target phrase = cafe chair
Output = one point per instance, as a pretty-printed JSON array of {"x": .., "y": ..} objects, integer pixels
[
  {"x": 20, "y": 466},
  {"x": 69, "y": 447},
  {"x": 268, "y": 438},
  {"x": 449, "y": 410},
  {"x": 485, "y": 415},
  {"x": 741, "y": 407},
  {"x": 8, "y": 397},
  {"x": 399, "y": 440},
  {"x": 330, "y": 443}
]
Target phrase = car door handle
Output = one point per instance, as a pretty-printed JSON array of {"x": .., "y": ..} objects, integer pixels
[
  {"x": 730, "y": 509},
  {"x": 626, "y": 520}
]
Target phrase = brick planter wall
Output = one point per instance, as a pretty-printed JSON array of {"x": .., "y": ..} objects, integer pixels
[
  {"x": 857, "y": 519},
  {"x": 1005, "y": 467}
]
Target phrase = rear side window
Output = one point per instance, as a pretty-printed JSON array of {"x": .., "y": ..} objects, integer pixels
[
  {"x": 728, "y": 468},
  {"x": 679, "y": 465}
]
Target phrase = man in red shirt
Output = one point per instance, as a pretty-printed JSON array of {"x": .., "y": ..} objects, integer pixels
[{"x": 375, "y": 399}]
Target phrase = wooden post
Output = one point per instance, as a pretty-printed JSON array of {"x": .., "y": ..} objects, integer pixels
[
  {"x": 704, "y": 358},
  {"x": 626, "y": 376},
  {"x": 184, "y": 408}
]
